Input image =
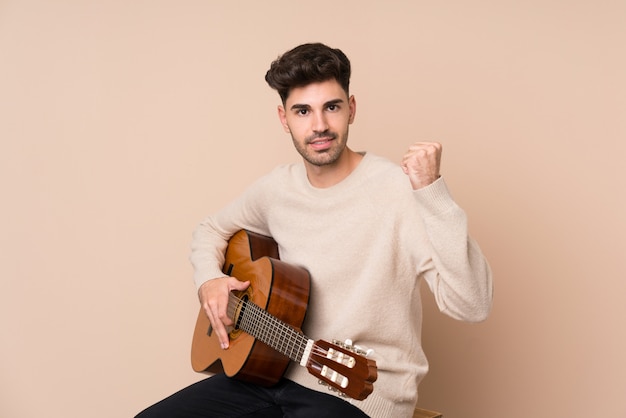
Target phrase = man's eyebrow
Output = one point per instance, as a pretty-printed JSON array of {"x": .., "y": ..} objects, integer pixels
[
  {"x": 299, "y": 106},
  {"x": 333, "y": 102}
]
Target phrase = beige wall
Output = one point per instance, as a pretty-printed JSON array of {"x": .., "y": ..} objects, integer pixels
[{"x": 123, "y": 123}]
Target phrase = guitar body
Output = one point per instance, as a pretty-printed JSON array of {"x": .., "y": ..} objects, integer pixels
[{"x": 277, "y": 287}]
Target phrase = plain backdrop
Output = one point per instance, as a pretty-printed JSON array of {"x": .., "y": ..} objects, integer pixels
[{"x": 123, "y": 124}]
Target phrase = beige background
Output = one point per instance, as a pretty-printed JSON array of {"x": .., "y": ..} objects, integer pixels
[{"x": 122, "y": 124}]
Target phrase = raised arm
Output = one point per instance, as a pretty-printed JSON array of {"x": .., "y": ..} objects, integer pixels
[{"x": 459, "y": 275}]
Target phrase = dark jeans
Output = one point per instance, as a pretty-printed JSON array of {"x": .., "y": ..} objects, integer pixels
[{"x": 222, "y": 397}]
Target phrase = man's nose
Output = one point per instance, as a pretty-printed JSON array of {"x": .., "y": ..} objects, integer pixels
[{"x": 320, "y": 124}]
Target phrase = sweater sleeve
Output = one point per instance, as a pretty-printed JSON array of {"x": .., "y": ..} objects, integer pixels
[
  {"x": 210, "y": 238},
  {"x": 459, "y": 275}
]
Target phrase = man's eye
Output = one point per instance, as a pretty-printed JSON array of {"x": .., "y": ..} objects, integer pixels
[
  {"x": 302, "y": 112},
  {"x": 332, "y": 107}
]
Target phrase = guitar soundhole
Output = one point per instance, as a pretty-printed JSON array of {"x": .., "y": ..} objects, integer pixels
[{"x": 241, "y": 308}]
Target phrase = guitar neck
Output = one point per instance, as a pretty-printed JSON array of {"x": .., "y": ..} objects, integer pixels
[{"x": 272, "y": 331}]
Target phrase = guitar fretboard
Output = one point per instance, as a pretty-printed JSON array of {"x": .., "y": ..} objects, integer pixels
[{"x": 268, "y": 329}]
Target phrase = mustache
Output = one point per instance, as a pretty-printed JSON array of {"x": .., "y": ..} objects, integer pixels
[{"x": 318, "y": 135}]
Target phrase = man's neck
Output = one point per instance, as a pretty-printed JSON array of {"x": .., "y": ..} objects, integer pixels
[{"x": 328, "y": 175}]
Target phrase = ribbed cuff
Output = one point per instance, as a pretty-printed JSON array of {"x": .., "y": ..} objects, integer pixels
[{"x": 435, "y": 198}]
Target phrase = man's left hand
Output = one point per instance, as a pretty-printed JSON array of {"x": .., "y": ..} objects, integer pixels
[{"x": 421, "y": 163}]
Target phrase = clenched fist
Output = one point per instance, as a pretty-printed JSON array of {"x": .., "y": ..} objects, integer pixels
[{"x": 421, "y": 163}]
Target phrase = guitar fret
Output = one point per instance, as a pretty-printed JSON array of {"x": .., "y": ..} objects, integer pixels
[{"x": 272, "y": 331}]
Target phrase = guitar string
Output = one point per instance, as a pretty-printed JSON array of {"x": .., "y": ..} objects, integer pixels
[
  {"x": 262, "y": 325},
  {"x": 269, "y": 329}
]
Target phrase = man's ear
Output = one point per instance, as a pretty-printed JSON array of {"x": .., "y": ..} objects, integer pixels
[
  {"x": 283, "y": 118},
  {"x": 352, "y": 105}
]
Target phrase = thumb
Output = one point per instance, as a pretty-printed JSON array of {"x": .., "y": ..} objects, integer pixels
[{"x": 238, "y": 285}]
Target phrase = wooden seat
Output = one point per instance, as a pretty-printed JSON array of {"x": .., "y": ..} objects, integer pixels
[{"x": 425, "y": 413}]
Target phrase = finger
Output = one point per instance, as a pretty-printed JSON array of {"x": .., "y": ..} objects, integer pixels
[
  {"x": 425, "y": 144},
  {"x": 420, "y": 153},
  {"x": 218, "y": 322},
  {"x": 219, "y": 311},
  {"x": 238, "y": 285}
]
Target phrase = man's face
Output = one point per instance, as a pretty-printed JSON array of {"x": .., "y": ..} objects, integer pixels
[{"x": 317, "y": 117}]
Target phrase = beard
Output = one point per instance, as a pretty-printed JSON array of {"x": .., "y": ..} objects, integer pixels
[{"x": 326, "y": 157}]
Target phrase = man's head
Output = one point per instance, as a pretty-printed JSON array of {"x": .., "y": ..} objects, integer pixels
[{"x": 306, "y": 64}]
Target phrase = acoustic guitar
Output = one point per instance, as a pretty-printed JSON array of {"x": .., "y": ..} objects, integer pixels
[{"x": 266, "y": 334}]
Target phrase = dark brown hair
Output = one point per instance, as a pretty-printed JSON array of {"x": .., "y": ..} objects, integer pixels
[{"x": 306, "y": 64}]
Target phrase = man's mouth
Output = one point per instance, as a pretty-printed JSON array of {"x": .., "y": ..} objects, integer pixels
[{"x": 320, "y": 143}]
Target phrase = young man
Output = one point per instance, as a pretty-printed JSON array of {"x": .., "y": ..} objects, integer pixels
[{"x": 366, "y": 230}]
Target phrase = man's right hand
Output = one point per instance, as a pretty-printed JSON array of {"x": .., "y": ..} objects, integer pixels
[{"x": 214, "y": 295}]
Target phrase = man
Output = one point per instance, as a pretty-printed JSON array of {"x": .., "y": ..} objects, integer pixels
[{"x": 366, "y": 230}]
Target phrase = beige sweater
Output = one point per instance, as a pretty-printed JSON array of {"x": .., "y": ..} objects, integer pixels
[{"x": 367, "y": 242}]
